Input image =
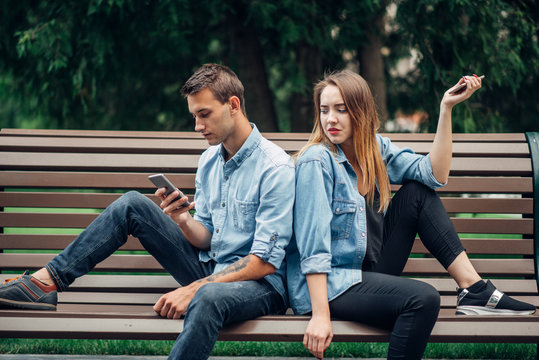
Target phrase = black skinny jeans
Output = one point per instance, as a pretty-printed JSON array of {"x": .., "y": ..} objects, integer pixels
[{"x": 409, "y": 308}]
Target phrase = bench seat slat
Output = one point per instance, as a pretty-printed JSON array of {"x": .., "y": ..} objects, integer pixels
[{"x": 258, "y": 329}]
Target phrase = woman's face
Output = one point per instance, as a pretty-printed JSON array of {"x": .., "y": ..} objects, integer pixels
[{"x": 334, "y": 116}]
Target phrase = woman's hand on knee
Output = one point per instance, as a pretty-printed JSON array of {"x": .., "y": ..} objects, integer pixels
[{"x": 318, "y": 336}]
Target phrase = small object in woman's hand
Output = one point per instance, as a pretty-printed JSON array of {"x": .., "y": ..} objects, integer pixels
[{"x": 462, "y": 86}]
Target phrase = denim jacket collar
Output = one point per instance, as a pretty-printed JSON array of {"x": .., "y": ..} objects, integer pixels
[
  {"x": 340, "y": 156},
  {"x": 246, "y": 149}
]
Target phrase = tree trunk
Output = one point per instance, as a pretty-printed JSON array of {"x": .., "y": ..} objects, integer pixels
[
  {"x": 309, "y": 61},
  {"x": 247, "y": 54},
  {"x": 371, "y": 67}
]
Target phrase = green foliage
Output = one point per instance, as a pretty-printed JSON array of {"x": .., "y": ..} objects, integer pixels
[
  {"x": 119, "y": 64},
  {"x": 459, "y": 37}
]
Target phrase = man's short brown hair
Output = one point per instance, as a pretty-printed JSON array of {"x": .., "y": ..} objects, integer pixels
[{"x": 222, "y": 82}]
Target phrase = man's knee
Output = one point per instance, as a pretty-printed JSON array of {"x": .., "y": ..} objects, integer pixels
[{"x": 207, "y": 297}]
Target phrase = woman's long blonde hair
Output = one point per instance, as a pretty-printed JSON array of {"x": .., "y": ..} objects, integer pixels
[{"x": 359, "y": 102}]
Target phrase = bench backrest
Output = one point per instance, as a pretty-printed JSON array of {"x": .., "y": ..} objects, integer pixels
[{"x": 53, "y": 183}]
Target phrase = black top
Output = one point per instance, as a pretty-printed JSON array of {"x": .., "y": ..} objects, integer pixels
[{"x": 375, "y": 231}]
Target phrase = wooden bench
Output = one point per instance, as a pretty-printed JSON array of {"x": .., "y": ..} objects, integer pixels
[{"x": 53, "y": 183}]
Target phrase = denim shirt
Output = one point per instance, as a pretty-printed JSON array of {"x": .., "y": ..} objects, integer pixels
[
  {"x": 247, "y": 203},
  {"x": 330, "y": 223}
]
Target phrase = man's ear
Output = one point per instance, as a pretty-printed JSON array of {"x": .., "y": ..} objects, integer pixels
[{"x": 235, "y": 104}]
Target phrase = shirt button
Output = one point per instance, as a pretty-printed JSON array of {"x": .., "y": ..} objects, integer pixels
[
  {"x": 363, "y": 234},
  {"x": 213, "y": 254},
  {"x": 223, "y": 204},
  {"x": 338, "y": 209},
  {"x": 226, "y": 177},
  {"x": 217, "y": 231},
  {"x": 360, "y": 209}
]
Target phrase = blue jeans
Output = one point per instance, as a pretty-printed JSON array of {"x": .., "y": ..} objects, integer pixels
[{"x": 214, "y": 305}]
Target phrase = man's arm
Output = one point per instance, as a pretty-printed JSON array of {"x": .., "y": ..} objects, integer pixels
[{"x": 174, "y": 304}]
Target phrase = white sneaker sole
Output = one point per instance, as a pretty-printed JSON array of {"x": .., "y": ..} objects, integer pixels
[{"x": 482, "y": 310}]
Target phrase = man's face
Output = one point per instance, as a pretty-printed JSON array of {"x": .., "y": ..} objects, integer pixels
[{"x": 212, "y": 119}]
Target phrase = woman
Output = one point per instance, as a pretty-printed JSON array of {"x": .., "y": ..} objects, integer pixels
[{"x": 347, "y": 256}]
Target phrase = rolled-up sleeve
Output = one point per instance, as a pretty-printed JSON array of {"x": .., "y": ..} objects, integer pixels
[
  {"x": 312, "y": 217},
  {"x": 274, "y": 215},
  {"x": 403, "y": 164}
]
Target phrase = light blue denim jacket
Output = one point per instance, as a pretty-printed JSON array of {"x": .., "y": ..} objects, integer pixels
[
  {"x": 247, "y": 203},
  {"x": 330, "y": 224}
]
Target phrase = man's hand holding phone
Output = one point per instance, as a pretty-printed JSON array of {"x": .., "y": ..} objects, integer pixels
[{"x": 173, "y": 202}]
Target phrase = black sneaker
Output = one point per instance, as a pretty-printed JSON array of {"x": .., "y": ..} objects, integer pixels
[
  {"x": 27, "y": 292},
  {"x": 490, "y": 301}
]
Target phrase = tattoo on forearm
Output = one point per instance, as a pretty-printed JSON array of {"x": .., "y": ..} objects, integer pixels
[{"x": 235, "y": 267}]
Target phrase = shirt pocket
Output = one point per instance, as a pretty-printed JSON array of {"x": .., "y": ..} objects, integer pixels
[
  {"x": 344, "y": 212},
  {"x": 245, "y": 215}
]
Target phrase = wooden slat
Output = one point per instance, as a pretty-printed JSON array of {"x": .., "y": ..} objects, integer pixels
[
  {"x": 498, "y": 267},
  {"x": 495, "y": 184},
  {"x": 174, "y": 163},
  {"x": 98, "y": 162},
  {"x": 163, "y": 283},
  {"x": 429, "y": 137},
  {"x": 88, "y": 180},
  {"x": 102, "y": 200},
  {"x": 64, "y": 200},
  {"x": 102, "y": 145},
  {"x": 269, "y": 329},
  {"x": 488, "y": 246},
  {"x": 488, "y": 205},
  {"x": 60, "y": 220},
  {"x": 197, "y": 145},
  {"x": 59, "y": 242},
  {"x": 485, "y": 267},
  {"x": 122, "y": 283},
  {"x": 51, "y": 242},
  {"x": 92, "y": 180}
]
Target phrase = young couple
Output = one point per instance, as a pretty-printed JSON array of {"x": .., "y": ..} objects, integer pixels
[{"x": 343, "y": 261}]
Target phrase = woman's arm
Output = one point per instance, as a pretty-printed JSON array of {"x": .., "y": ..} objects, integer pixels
[
  {"x": 319, "y": 332},
  {"x": 442, "y": 147}
]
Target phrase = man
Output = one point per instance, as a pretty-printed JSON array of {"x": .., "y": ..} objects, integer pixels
[{"x": 228, "y": 257}]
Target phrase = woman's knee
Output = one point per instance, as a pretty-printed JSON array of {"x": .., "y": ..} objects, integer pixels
[
  {"x": 427, "y": 299},
  {"x": 416, "y": 187}
]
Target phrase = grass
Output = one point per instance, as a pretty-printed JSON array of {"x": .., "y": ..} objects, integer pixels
[{"x": 239, "y": 349}]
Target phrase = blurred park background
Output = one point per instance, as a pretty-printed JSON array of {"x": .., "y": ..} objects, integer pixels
[{"x": 119, "y": 64}]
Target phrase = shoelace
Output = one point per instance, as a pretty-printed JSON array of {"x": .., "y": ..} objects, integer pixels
[
  {"x": 8, "y": 280},
  {"x": 15, "y": 278}
]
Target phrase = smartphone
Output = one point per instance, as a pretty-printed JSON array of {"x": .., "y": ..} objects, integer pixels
[
  {"x": 161, "y": 181},
  {"x": 463, "y": 86}
]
